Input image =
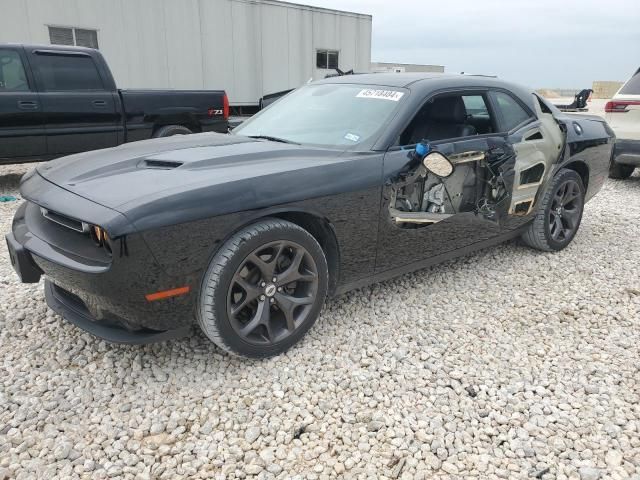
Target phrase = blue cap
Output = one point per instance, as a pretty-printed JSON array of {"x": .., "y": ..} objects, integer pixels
[{"x": 422, "y": 149}]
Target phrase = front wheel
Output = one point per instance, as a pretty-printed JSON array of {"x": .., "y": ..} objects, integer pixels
[
  {"x": 559, "y": 214},
  {"x": 263, "y": 289}
]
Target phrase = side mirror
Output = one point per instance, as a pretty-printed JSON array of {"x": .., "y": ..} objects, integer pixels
[{"x": 438, "y": 164}]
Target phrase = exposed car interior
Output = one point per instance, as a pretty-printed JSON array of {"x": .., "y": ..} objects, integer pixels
[
  {"x": 449, "y": 116},
  {"x": 477, "y": 182}
]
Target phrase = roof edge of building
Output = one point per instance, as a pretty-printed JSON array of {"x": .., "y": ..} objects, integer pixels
[{"x": 302, "y": 6}]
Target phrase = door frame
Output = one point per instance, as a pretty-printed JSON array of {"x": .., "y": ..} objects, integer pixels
[{"x": 37, "y": 132}]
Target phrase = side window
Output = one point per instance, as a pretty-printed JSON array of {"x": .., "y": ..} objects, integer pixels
[
  {"x": 449, "y": 116},
  {"x": 67, "y": 73},
  {"x": 513, "y": 114},
  {"x": 327, "y": 59},
  {"x": 475, "y": 105},
  {"x": 12, "y": 75},
  {"x": 544, "y": 106}
]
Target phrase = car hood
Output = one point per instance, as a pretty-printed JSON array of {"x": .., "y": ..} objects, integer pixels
[{"x": 139, "y": 172}]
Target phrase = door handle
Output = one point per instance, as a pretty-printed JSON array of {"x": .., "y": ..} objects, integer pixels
[
  {"x": 99, "y": 103},
  {"x": 27, "y": 105}
]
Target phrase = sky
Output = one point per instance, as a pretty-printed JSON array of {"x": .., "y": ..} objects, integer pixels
[{"x": 541, "y": 43}]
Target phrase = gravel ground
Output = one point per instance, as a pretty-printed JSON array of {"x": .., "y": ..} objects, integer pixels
[{"x": 505, "y": 364}]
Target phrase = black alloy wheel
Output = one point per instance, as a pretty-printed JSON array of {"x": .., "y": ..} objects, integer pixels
[
  {"x": 558, "y": 213},
  {"x": 565, "y": 211},
  {"x": 272, "y": 292},
  {"x": 264, "y": 289}
]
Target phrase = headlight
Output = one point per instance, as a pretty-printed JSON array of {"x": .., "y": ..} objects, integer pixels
[{"x": 100, "y": 237}]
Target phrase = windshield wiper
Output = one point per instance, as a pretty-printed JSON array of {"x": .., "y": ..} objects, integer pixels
[{"x": 273, "y": 139}]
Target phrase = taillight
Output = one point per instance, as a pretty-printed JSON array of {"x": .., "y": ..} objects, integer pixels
[
  {"x": 619, "y": 106},
  {"x": 225, "y": 106}
]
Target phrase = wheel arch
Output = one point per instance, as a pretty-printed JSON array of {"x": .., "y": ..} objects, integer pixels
[
  {"x": 184, "y": 120},
  {"x": 317, "y": 225},
  {"x": 324, "y": 233},
  {"x": 582, "y": 169}
]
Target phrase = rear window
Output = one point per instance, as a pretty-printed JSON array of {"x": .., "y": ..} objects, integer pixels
[
  {"x": 66, "y": 73},
  {"x": 632, "y": 87},
  {"x": 513, "y": 114}
]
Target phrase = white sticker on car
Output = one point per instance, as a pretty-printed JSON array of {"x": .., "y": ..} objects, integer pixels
[
  {"x": 392, "y": 95},
  {"x": 351, "y": 136}
]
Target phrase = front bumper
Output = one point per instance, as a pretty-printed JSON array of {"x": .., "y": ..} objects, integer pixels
[
  {"x": 107, "y": 300},
  {"x": 627, "y": 152},
  {"x": 74, "y": 310}
]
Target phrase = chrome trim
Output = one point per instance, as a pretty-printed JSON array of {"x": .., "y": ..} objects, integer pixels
[{"x": 65, "y": 221}]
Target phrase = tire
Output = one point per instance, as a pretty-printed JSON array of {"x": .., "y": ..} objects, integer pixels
[
  {"x": 247, "y": 314},
  {"x": 620, "y": 171},
  {"x": 170, "y": 130},
  {"x": 547, "y": 232}
]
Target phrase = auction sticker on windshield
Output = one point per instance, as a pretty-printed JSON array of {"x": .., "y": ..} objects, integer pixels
[{"x": 380, "y": 94}]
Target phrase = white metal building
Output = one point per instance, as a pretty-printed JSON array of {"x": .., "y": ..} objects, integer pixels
[
  {"x": 385, "y": 67},
  {"x": 248, "y": 47}
]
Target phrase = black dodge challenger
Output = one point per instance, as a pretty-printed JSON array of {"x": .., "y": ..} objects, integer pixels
[{"x": 343, "y": 182}]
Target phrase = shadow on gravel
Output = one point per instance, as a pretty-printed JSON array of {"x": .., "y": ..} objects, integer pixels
[{"x": 10, "y": 181}]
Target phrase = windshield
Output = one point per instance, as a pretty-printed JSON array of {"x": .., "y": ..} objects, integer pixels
[{"x": 336, "y": 115}]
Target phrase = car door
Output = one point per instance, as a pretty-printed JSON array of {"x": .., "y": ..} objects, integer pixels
[
  {"x": 80, "y": 113},
  {"x": 538, "y": 141},
  {"x": 423, "y": 216},
  {"x": 22, "y": 133}
]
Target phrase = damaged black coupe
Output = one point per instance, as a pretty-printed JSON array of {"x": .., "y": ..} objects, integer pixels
[{"x": 343, "y": 182}]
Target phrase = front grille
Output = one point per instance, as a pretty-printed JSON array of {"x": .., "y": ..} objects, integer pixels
[{"x": 65, "y": 221}]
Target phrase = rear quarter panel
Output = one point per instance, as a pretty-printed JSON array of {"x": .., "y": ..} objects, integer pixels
[{"x": 590, "y": 140}]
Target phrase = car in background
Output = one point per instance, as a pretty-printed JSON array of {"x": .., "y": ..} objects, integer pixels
[
  {"x": 623, "y": 116},
  {"x": 57, "y": 100}
]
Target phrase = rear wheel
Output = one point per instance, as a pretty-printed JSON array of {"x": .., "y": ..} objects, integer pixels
[
  {"x": 620, "y": 171},
  {"x": 264, "y": 289},
  {"x": 170, "y": 130},
  {"x": 559, "y": 214}
]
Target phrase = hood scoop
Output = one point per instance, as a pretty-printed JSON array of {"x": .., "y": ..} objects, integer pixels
[{"x": 162, "y": 164}]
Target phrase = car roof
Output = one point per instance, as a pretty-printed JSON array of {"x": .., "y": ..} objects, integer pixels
[
  {"x": 27, "y": 46},
  {"x": 427, "y": 82}
]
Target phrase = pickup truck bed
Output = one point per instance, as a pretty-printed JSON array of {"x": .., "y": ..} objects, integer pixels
[{"x": 57, "y": 101}]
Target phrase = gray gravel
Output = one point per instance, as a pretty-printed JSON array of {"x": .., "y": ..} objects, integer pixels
[{"x": 505, "y": 364}]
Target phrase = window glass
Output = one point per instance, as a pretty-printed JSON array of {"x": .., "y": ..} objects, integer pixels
[
  {"x": 66, "y": 72},
  {"x": 448, "y": 117},
  {"x": 545, "y": 106},
  {"x": 332, "y": 60},
  {"x": 338, "y": 115},
  {"x": 86, "y": 38},
  {"x": 632, "y": 87},
  {"x": 61, "y": 36},
  {"x": 475, "y": 105},
  {"x": 327, "y": 59},
  {"x": 79, "y": 37},
  {"x": 513, "y": 114},
  {"x": 12, "y": 74}
]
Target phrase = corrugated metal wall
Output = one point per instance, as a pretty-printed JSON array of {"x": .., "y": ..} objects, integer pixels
[{"x": 247, "y": 47}]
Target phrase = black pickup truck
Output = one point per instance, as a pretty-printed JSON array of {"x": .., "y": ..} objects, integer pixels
[{"x": 56, "y": 101}]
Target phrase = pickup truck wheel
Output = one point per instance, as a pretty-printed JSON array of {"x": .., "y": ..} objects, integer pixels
[
  {"x": 170, "y": 130},
  {"x": 559, "y": 214},
  {"x": 620, "y": 171},
  {"x": 263, "y": 289}
]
